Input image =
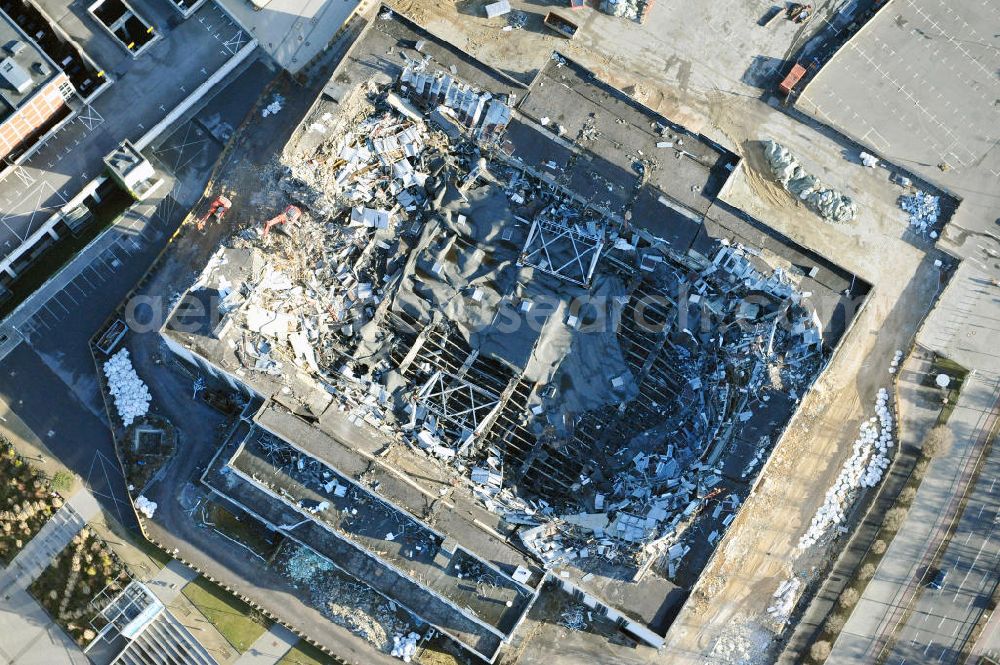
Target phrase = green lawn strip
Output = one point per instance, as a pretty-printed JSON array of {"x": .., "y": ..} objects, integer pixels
[
  {"x": 957, "y": 373},
  {"x": 232, "y": 617},
  {"x": 152, "y": 551},
  {"x": 303, "y": 653}
]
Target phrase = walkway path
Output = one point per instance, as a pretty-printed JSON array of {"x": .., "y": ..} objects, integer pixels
[
  {"x": 269, "y": 647},
  {"x": 167, "y": 583}
]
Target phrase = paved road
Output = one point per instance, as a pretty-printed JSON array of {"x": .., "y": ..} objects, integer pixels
[
  {"x": 49, "y": 380},
  {"x": 172, "y": 72},
  {"x": 167, "y": 583},
  {"x": 943, "y": 619}
]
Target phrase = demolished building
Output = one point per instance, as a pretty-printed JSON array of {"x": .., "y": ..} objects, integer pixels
[{"x": 525, "y": 301}]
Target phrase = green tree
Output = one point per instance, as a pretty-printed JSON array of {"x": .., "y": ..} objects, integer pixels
[{"x": 62, "y": 481}]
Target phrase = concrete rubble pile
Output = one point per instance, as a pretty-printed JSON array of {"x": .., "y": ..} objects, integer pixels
[
  {"x": 922, "y": 210},
  {"x": 743, "y": 643},
  {"x": 863, "y": 469},
  {"x": 828, "y": 203},
  {"x": 349, "y": 604},
  {"x": 630, "y": 9},
  {"x": 416, "y": 226},
  {"x": 573, "y": 617},
  {"x": 131, "y": 395}
]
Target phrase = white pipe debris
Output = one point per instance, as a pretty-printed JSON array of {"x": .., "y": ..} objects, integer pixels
[
  {"x": 784, "y": 601},
  {"x": 131, "y": 394},
  {"x": 864, "y": 468},
  {"x": 277, "y": 102},
  {"x": 896, "y": 359}
]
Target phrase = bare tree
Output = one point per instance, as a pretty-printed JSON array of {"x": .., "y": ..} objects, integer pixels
[
  {"x": 867, "y": 571},
  {"x": 849, "y": 598},
  {"x": 894, "y": 518},
  {"x": 907, "y": 496},
  {"x": 937, "y": 442},
  {"x": 820, "y": 651},
  {"x": 835, "y": 623},
  {"x": 879, "y": 546}
]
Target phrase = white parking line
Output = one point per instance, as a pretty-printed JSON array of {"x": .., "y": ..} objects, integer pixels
[
  {"x": 69, "y": 295},
  {"x": 83, "y": 292}
]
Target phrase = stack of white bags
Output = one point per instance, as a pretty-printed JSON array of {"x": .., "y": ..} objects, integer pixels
[
  {"x": 131, "y": 394},
  {"x": 864, "y": 468},
  {"x": 405, "y": 646}
]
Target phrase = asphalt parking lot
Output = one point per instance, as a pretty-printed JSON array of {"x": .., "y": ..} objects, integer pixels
[
  {"x": 918, "y": 84},
  {"x": 48, "y": 376}
]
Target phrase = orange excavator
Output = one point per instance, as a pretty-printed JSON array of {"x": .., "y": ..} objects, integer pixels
[
  {"x": 219, "y": 207},
  {"x": 290, "y": 215}
]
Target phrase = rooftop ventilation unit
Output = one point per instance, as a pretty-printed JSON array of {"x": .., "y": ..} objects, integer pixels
[
  {"x": 15, "y": 76},
  {"x": 15, "y": 47}
]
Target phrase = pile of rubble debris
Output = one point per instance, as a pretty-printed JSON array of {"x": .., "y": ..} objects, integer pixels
[
  {"x": 829, "y": 204},
  {"x": 349, "y": 604},
  {"x": 630, "y": 9},
  {"x": 419, "y": 234},
  {"x": 922, "y": 210},
  {"x": 784, "y": 600}
]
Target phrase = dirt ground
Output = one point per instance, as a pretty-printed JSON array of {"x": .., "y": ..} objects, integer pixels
[{"x": 707, "y": 66}]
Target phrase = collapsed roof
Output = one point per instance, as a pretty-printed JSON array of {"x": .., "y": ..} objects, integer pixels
[{"x": 554, "y": 320}]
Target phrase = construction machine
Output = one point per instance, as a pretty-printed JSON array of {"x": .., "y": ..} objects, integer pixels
[
  {"x": 290, "y": 214},
  {"x": 799, "y": 13},
  {"x": 219, "y": 207}
]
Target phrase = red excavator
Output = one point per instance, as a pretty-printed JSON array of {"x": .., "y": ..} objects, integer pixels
[
  {"x": 220, "y": 206},
  {"x": 291, "y": 215}
]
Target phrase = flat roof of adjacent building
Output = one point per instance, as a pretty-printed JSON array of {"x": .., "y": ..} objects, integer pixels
[
  {"x": 627, "y": 147},
  {"x": 145, "y": 90},
  {"x": 372, "y": 540},
  {"x": 24, "y": 67}
]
